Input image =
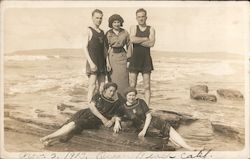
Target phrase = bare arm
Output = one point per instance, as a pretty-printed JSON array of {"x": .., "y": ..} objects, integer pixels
[
  {"x": 85, "y": 47},
  {"x": 146, "y": 125},
  {"x": 129, "y": 47},
  {"x": 151, "y": 41},
  {"x": 108, "y": 64},
  {"x": 134, "y": 39},
  {"x": 94, "y": 110},
  {"x": 106, "y": 51}
]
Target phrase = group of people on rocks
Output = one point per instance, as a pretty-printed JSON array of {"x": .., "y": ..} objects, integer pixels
[{"x": 114, "y": 61}]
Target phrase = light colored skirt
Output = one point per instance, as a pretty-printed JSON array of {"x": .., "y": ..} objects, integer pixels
[{"x": 119, "y": 75}]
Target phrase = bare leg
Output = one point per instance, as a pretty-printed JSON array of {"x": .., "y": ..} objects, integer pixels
[
  {"x": 92, "y": 86},
  {"x": 59, "y": 133},
  {"x": 147, "y": 89},
  {"x": 176, "y": 138},
  {"x": 101, "y": 82},
  {"x": 133, "y": 79}
]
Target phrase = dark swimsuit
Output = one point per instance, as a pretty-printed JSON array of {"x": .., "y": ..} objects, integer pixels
[
  {"x": 137, "y": 114},
  {"x": 96, "y": 53},
  {"x": 141, "y": 60},
  {"x": 85, "y": 119}
]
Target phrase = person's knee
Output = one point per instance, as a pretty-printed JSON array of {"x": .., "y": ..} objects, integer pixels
[
  {"x": 132, "y": 80},
  {"x": 147, "y": 87},
  {"x": 92, "y": 84},
  {"x": 132, "y": 83},
  {"x": 101, "y": 88},
  {"x": 92, "y": 80}
]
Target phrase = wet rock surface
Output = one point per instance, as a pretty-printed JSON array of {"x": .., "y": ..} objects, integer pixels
[
  {"x": 230, "y": 94},
  {"x": 190, "y": 127},
  {"x": 230, "y": 131},
  {"x": 200, "y": 92}
]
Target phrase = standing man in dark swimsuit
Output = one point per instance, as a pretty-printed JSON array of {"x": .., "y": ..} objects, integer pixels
[
  {"x": 143, "y": 38},
  {"x": 94, "y": 52}
]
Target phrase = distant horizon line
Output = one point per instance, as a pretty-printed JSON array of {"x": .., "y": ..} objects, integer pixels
[{"x": 158, "y": 50}]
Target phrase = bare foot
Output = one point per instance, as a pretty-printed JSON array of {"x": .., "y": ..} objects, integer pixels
[
  {"x": 43, "y": 139},
  {"x": 47, "y": 143}
]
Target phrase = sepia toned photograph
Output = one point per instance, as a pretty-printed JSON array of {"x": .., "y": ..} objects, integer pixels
[{"x": 110, "y": 79}]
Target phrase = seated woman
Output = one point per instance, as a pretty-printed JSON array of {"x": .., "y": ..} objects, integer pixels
[
  {"x": 102, "y": 110},
  {"x": 137, "y": 111}
]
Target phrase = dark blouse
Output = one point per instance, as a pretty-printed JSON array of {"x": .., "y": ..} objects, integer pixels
[
  {"x": 136, "y": 112},
  {"x": 107, "y": 107}
]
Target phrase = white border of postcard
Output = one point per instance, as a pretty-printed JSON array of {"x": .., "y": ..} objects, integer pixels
[{"x": 243, "y": 154}]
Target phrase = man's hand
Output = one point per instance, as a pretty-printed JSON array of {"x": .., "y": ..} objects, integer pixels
[
  {"x": 128, "y": 64},
  {"x": 93, "y": 67}
]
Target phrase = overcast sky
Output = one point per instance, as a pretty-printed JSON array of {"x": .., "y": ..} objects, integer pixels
[{"x": 178, "y": 29}]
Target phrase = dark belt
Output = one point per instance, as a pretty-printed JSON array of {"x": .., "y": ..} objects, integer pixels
[{"x": 117, "y": 49}]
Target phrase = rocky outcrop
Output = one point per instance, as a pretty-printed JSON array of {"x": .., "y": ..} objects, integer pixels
[
  {"x": 200, "y": 92},
  {"x": 190, "y": 128},
  {"x": 227, "y": 130},
  {"x": 230, "y": 94},
  {"x": 200, "y": 130},
  {"x": 127, "y": 139}
]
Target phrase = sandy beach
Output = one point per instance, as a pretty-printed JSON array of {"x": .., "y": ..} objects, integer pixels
[{"x": 36, "y": 82}]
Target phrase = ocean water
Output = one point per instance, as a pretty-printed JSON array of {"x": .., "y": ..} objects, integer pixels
[{"x": 41, "y": 79}]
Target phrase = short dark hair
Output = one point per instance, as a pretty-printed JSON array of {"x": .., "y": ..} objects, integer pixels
[
  {"x": 96, "y": 11},
  {"x": 110, "y": 84},
  {"x": 128, "y": 90},
  {"x": 141, "y": 10},
  {"x": 115, "y": 17}
]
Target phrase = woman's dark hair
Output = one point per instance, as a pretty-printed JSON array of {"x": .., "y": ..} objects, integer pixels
[
  {"x": 128, "y": 90},
  {"x": 114, "y": 17},
  {"x": 96, "y": 11},
  {"x": 110, "y": 84}
]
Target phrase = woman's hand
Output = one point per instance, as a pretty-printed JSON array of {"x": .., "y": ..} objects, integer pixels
[
  {"x": 117, "y": 127},
  {"x": 109, "y": 67},
  {"x": 142, "y": 133},
  {"x": 146, "y": 125}
]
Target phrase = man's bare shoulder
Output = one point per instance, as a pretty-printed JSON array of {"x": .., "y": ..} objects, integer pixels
[
  {"x": 87, "y": 30},
  {"x": 152, "y": 28}
]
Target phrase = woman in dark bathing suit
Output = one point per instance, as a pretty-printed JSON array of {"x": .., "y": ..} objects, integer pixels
[
  {"x": 137, "y": 111},
  {"x": 102, "y": 110}
]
